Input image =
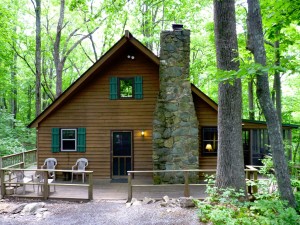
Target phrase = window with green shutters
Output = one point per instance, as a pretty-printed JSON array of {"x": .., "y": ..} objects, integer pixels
[
  {"x": 126, "y": 88},
  {"x": 68, "y": 140}
]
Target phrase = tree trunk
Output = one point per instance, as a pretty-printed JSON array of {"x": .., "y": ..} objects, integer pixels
[
  {"x": 14, "y": 92},
  {"x": 277, "y": 81},
  {"x": 251, "y": 100},
  {"x": 29, "y": 99},
  {"x": 230, "y": 167},
  {"x": 56, "y": 53},
  {"x": 38, "y": 60},
  {"x": 256, "y": 46}
]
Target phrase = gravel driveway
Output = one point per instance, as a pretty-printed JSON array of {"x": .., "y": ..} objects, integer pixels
[{"x": 98, "y": 212}]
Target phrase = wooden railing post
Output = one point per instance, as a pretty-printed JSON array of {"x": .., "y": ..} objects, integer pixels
[
  {"x": 1, "y": 165},
  {"x": 255, "y": 188},
  {"x": 46, "y": 187},
  {"x": 24, "y": 162},
  {"x": 129, "y": 187},
  {"x": 2, "y": 176},
  {"x": 186, "y": 184},
  {"x": 90, "y": 186},
  {"x": 249, "y": 188}
]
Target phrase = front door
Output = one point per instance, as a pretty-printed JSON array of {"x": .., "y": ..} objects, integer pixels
[{"x": 121, "y": 153}]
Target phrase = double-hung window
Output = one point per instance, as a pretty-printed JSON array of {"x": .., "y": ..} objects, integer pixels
[
  {"x": 126, "y": 88},
  {"x": 68, "y": 140}
]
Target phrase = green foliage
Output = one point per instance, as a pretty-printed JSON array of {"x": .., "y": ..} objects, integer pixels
[
  {"x": 14, "y": 136},
  {"x": 224, "y": 206}
]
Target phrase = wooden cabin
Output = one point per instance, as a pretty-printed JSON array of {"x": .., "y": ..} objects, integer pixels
[{"x": 106, "y": 116}]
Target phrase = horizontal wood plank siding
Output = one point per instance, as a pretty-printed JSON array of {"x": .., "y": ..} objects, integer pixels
[
  {"x": 207, "y": 117},
  {"x": 91, "y": 108}
]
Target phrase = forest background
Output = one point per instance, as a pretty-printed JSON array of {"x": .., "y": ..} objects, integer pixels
[{"x": 47, "y": 44}]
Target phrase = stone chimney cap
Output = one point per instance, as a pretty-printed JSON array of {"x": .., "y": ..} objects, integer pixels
[{"x": 177, "y": 27}]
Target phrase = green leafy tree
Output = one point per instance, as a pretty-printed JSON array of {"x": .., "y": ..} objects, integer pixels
[{"x": 256, "y": 46}]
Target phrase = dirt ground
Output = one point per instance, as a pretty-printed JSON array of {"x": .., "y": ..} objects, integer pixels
[{"x": 96, "y": 212}]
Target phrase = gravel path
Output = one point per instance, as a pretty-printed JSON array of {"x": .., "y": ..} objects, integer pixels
[{"x": 98, "y": 212}]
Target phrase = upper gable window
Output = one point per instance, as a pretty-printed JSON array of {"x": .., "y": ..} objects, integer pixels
[{"x": 126, "y": 88}]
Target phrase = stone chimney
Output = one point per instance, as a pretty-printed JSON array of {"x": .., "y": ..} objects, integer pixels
[{"x": 175, "y": 124}]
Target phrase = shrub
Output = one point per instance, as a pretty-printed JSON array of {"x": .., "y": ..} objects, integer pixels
[{"x": 222, "y": 206}]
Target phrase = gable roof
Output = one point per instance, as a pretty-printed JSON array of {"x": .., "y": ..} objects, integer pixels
[{"x": 85, "y": 77}]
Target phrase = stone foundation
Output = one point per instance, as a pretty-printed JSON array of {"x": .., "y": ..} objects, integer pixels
[{"x": 175, "y": 124}]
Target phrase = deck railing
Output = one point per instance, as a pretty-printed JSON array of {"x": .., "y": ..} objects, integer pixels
[
  {"x": 8, "y": 180},
  {"x": 251, "y": 174},
  {"x": 21, "y": 160}
]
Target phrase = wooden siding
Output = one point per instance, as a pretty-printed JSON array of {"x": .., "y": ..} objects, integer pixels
[
  {"x": 207, "y": 117},
  {"x": 90, "y": 107}
]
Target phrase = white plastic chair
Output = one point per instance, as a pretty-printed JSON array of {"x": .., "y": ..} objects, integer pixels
[
  {"x": 39, "y": 178},
  {"x": 80, "y": 166},
  {"x": 50, "y": 164},
  {"x": 22, "y": 179}
]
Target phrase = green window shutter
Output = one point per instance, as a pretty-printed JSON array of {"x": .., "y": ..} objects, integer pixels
[
  {"x": 81, "y": 139},
  {"x": 138, "y": 87},
  {"x": 55, "y": 140},
  {"x": 113, "y": 88}
]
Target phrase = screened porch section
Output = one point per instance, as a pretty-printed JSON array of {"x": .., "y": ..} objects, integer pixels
[{"x": 256, "y": 145}]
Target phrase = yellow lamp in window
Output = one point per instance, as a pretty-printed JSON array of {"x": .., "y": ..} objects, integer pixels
[
  {"x": 209, "y": 148},
  {"x": 143, "y": 133}
]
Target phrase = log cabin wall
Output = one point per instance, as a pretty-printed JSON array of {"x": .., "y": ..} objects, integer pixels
[
  {"x": 207, "y": 117},
  {"x": 92, "y": 108}
]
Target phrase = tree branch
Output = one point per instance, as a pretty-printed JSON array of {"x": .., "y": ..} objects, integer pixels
[
  {"x": 24, "y": 58},
  {"x": 269, "y": 43},
  {"x": 86, "y": 53},
  {"x": 76, "y": 43}
]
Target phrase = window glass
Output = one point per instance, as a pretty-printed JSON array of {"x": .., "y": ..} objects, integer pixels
[
  {"x": 68, "y": 139},
  {"x": 126, "y": 87},
  {"x": 210, "y": 141}
]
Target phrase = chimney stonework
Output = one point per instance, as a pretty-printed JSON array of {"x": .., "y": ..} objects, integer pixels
[{"x": 175, "y": 124}]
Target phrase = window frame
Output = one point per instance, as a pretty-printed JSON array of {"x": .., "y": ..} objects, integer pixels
[
  {"x": 119, "y": 87},
  {"x": 64, "y": 139},
  {"x": 209, "y": 141}
]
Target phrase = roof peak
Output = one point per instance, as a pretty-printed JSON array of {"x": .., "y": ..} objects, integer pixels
[{"x": 128, "y": 34}]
